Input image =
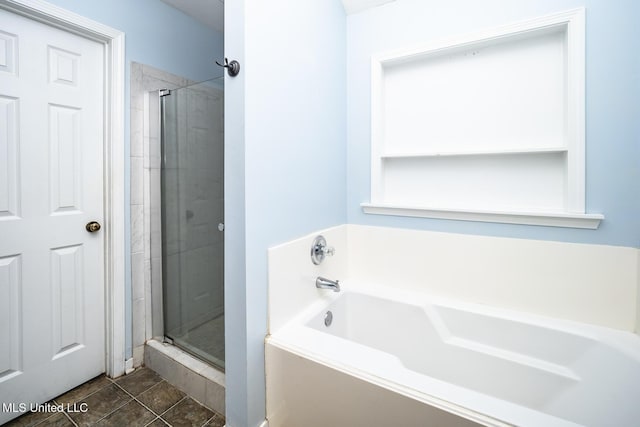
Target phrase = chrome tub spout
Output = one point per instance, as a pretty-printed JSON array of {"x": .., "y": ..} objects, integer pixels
[{"x": 323, "y": 283}]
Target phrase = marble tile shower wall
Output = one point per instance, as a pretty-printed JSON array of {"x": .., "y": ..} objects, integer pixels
[{"x": 146, "y": 245}]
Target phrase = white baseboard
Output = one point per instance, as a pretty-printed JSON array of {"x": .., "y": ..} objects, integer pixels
[
  {"x": 128, "y": 366},
  {"x": 265, "y": 423}
]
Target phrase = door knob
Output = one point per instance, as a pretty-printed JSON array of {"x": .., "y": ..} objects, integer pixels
[{"x": 92, "y": 226}]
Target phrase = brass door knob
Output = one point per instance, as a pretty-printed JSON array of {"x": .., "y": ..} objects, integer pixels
[{"x": 92, "y": 226}]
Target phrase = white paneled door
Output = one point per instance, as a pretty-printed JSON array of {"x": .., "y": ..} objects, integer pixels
[{"x": 52, "y": 334}]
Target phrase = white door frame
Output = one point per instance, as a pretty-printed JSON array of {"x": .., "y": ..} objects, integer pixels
[{"x": 113, "y": 41}]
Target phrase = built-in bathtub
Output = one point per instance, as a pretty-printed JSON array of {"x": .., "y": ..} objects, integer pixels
[{"x": 414, "y": 360}]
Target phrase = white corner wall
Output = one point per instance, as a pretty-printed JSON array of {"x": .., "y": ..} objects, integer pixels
[
  {"x": 285, "y": 165},
  {"x": 595, "y": 284},
  {"x": 292, "y": 274}
]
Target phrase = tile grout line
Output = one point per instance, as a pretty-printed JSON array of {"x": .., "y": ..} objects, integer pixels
[
  {"x": 39, "y": 422},
  {"x": 134, "y": 398},
  {"x": 171, "y": 407},
  {"x": 111, "y": 381},
  {"x": 209, "y": 420},
  {"x": 56, "y": 402},
  {"x": 151, "y": 410},
  {"x": 157, "y": 416},
  {"x": 84, "y": 397},
  {"x": 106, "y": 415},
  {"x": 145, "y": 406},
  {"x": 117, "y": 408},
  {"x": 70, "y": 419},
  {"x": 154, "y": 420},
  {"x": 80, "y": 399}
]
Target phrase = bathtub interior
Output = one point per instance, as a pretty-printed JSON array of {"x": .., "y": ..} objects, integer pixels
[{"x": 565, "y": 372}]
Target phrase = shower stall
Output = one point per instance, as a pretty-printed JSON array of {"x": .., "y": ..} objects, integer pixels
[{"x": 192, "y": 212}]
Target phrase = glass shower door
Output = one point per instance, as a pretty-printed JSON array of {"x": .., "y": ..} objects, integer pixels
[{"x": 192, "y": 194}]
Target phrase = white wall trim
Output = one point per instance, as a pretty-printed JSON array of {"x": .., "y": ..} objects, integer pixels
[
  {"x": 265, "y": 423},
  {"x": 567, "y": 17},
  {"x": 570, "y": 220},
  {"x": 113, "y": 40},
  {"x": 576, "y": 69},
  {"x": 637, "y": 330}
]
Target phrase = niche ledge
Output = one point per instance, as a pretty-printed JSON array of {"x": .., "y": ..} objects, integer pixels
[{"x": 555, "y": 219}]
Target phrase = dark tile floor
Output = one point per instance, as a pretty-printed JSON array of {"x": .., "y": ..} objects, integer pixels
[{"x": 141, "y": 399}]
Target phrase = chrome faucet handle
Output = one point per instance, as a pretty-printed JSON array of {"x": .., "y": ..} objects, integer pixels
[{"x": 319, "y": 250}]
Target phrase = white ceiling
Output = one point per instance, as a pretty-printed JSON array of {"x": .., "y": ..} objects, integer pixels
[
  {"x": 355, "y": 6},
  {"x": 211, "y": 12}
]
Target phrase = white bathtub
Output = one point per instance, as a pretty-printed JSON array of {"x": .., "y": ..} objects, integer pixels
[{"x": 490, "y": 366}]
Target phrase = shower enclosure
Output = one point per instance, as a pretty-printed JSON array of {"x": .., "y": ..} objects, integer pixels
[{"x": 192, "y": 194}]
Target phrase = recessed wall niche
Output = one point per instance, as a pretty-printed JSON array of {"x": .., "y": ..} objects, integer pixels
[{"x": 490, "y": 123}]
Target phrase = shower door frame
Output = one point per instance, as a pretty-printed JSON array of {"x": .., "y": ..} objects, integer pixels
[{"x": 160, "y": 309}]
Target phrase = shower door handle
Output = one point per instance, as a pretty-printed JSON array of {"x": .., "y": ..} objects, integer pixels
[{"x": 221, "y": 226}]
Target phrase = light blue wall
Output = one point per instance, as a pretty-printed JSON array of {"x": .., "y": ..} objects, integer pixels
[
  {"x": 157, "y": 35},
  {"x": 165, "y": 38},
  {"x": 235, "y": 272},
  {"x": 613, "y": 107},
  {"x": 293, "y": 91}
]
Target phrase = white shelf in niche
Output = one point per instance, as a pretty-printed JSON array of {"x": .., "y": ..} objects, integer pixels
[
  {"x": 549, "y": 219},
  {"x": 508, "y": 182},
  {"x": 496, "y": 152},
  {"x": 486, "y": 126}
]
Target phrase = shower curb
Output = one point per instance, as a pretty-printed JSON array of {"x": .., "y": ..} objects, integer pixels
[{"x": 197, "y": 379}]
